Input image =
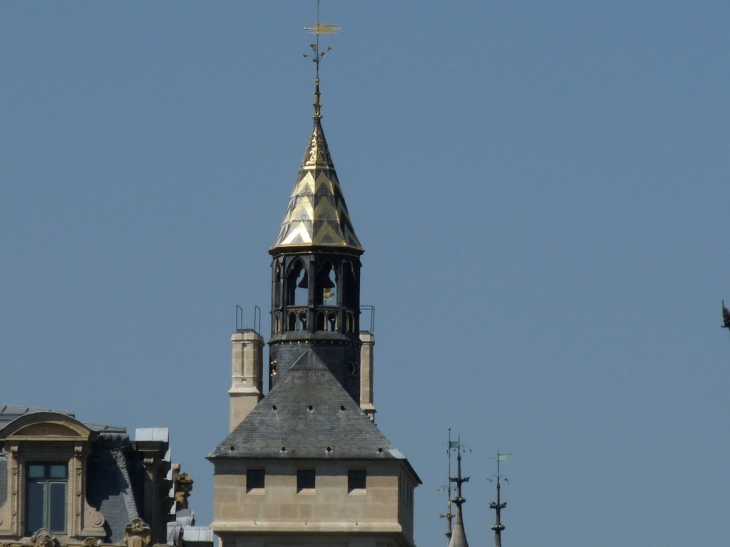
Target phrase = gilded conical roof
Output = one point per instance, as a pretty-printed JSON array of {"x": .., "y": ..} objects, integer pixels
[{"x": 317, "y": 214}]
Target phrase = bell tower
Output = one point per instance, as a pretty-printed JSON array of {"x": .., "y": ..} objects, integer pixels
[
  {"x": 305, "y": 464},
  {"x": 315, "y": 272}
]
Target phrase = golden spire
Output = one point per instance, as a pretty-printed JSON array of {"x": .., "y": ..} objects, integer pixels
[
  {"x": 317, "y": 55},
  {"x": 317, "y": 214}
]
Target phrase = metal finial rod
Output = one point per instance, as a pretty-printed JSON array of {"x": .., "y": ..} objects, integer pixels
[
  {"x": 449, "y": 516},
  {"x": 458, "y": 479},
  {"x": 317, "y": 56},
  {"x": 499, "y": 505}
]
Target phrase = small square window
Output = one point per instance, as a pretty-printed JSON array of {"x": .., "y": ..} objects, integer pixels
[
  {"x": 255, "y": 479},
  {"x": 57, "y": 471},
  {"x": 305, "y": 479},
  {"x": 36, "y": 471},
  {"x": 356, "y": 479}
]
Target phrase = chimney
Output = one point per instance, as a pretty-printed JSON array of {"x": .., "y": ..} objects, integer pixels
[
  {"x": 366, "y": 373},
  {"x": 247, "y": 368}
]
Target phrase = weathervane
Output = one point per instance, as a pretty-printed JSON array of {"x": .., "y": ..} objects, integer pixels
[
  {"x": 498, "y": 505},
  {"x": 317, "y": 56}
]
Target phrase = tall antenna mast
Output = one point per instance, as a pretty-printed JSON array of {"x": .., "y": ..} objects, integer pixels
[
  {"x": 498, "y": 505},
  {"x": 317, "y": 56}
]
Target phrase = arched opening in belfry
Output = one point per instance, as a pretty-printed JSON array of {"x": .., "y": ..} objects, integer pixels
[
  {"x": 297, "y": 285},
  {"x": 327, "y": 285},
  {"x": 349, "y": 285},
  {"x": 277, "y": 284},
  {"x": 332, "y": 322}
]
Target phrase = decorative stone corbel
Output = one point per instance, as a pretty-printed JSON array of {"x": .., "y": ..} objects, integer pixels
[
  {"x": 44, "y": 538},
  {"x": 137, "y": 534},
  {"x": 93, "y": 522}
]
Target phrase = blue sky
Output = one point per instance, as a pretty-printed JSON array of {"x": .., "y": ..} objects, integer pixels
[{"x": 541, "y": 189}]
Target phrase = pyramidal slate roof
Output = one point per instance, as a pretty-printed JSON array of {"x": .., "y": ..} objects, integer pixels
[{"x": 307, "y": 415}]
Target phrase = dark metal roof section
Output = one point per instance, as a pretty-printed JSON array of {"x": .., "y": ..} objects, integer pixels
[
  {"x": 317, "y": 214},
  {"x": 307, "y": 415},
  {"x": 111, "y": 488}
]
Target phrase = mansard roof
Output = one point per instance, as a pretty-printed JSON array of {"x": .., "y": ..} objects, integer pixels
[
  {"x": 115, "y": 476},
  {"x": 317, "y": 214},
  {"x": 308, "y": 415}
]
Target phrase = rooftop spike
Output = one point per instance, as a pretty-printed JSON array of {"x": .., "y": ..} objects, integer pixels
[
  {"x": 498, "y": 505},
  {"x": 458, "y": 535},
  {"x": 317, "y": 56},
  {"x": 449, "y": 516}
]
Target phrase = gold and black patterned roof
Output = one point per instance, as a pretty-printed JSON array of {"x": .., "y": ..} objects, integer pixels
[{"x": 317, "y": 214}]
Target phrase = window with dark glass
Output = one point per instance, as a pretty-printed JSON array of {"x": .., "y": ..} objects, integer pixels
[
  {"x": 356, "y": 479},
  {"x": 46, "y": 497},
  {"x": 305, "y": 479},
  {"x": 255, "y": 479}
]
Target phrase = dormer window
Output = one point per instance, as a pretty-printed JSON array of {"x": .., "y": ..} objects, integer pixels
[{"x": 46, "y": 497}]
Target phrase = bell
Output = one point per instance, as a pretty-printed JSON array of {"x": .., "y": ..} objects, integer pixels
[{"x": 304, "y": 283}]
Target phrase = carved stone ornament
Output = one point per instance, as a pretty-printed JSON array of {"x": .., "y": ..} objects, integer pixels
[
  {"x": 183, "y": 484},
  {"x": 90, "y": 542},
  {"x": 44, "y": 538},
  {"x": 137, "y": 534},
  {"x": 94, "y": 519}
]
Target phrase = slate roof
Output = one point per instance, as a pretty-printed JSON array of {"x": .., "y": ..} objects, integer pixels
[
  {"x": 8, "y": 413},
  {"x": 110, "y": 485},
  {"x": 307, "y": 415}
]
